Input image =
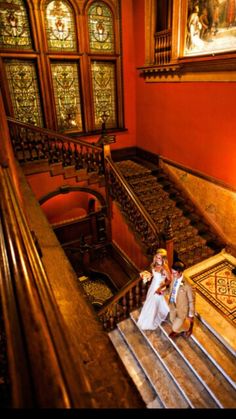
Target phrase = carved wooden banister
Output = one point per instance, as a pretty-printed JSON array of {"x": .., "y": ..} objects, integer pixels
[
  {"x": 44, "y": 371},
  {"x": 138, "y": 216},
  {"x": 127, "y": 299},
  {"x": 32, "y": 143},
  {"x": 163, "y": 47}
]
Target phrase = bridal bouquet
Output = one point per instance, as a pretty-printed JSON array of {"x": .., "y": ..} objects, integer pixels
[{"x": 146, "y": 276}]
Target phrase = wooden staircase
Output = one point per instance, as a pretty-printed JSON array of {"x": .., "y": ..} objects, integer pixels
[
  {"x": 194, "y": 239},
  {"x": 198, "y": 372}
]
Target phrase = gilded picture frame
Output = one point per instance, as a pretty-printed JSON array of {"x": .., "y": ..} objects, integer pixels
[{"x": 210, "y": 28}]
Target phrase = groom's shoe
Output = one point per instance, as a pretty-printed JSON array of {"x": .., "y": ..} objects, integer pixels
[{"x": 173, "y": 334}]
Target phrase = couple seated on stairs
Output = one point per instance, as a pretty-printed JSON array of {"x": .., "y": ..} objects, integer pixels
[{"x": 181, "y": 299}]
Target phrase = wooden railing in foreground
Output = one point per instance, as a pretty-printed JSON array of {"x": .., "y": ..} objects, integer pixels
[
  {"x": 127, "y": 299},
  {"x": 32, "y": 143},
  {"x": 41, "y": 367},
  {"x": 137, "y": 215}
]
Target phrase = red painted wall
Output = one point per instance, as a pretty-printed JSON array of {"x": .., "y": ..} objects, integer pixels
[
  {"x": 123, "y": 236},
  {"x": 190, "y": 123},
  {"x": 128, "y": 138},
  {"x": 62, "y": 207},
  {"x": 66, "y": 206}
]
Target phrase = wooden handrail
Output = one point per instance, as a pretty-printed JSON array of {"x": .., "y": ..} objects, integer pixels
[
  {"x": 150, "y": 229},
  {"x": 126, "y": 288},
  {"x": 130, "y": 297},
  {"x": 132, "y": 195},
  {"x": 41, "y": 346},
  {"x": 32, "y": 143},
  {"x": 51, "y": 133}
]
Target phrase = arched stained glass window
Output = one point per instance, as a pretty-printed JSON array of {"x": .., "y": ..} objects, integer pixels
[
  {"x": 67, "y": 95},
  {"x": 101, "y": 32},
  {"x": 24, "y": 91},
  {"x": 70, "y": 80},
  {"x": 104, "y": 93},
  {"x": 60, "y": 26},
  {"x": 14, "y": 25}
]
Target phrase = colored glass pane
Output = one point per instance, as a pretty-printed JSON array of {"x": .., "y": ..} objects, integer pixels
[
  {"x": 101, "y": 33},
  {"x": 60, "y": 26},
  {"x": 14, "y": 25},
  {"x": 24, "y": 91},
  {"x": 67, "y": 95},
  {"x": 104, "y": 93}
]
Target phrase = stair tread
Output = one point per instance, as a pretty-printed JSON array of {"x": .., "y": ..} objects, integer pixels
[
  {"x": 135, "y": 371},
  {"x": 164, "y": 200},
  {"x": 205, "y": 369},
  {"x": 166, "y": 389},
  {"x": 190, "y": 385},
  {"x": 225, "y": 360}
]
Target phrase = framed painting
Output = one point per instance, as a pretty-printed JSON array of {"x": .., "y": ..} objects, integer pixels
[
  {"x": 197, "y": 43},
  {"x": 210, "y": 27}
]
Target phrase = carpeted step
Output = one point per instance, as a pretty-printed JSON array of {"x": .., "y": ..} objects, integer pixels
[
  {"x": 192, "y": 239},
  {"x": 189, "y": 244},
  {"x": 184, "y": 233},
  {"x": 131, "y": 169},
  {"x": 192, "y": 258}
]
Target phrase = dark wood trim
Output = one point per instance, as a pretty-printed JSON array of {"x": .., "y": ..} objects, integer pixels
[
  {"x": 128, "y": 265},
  {"x": 129, "y": 152},
  {"x": 123, "y": 153},
  {"x": 198, "y": 174},
  {"x": 148, "y": 155}
]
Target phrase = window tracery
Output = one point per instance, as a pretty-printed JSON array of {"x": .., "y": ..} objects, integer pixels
[{"x": 72, "y": 52}]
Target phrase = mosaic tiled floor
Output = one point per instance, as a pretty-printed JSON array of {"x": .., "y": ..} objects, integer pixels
[
  {"x": 218, "y": 285},
  {"x": 97, "y": 290}
]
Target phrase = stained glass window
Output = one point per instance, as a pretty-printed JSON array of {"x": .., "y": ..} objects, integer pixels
[
  {"x": 68, "y": 71},
  {"x": 24, "y": 91},
  {"x": 67, "y": 95},
  {"x": 60, "y": 26},
  {"x": 14, "y": 25},
  {"x": 101, "y": 33},
  {"x": 104, "y": 93}
]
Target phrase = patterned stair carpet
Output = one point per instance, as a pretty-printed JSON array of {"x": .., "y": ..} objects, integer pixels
[{"x": 193, "y": 241}]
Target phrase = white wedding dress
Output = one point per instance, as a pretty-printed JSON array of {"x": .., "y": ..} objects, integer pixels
[{"x": 155, "y": 308}]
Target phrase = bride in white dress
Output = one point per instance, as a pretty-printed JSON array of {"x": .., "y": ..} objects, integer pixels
[{"x": 155, "y": 308}]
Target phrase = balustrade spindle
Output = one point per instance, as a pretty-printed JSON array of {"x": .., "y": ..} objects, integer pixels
[
  {"x": 89, "y": 162},
  {"x": 112, "y": 321},
  {"x": 118, "y": 312},
  {"x": 131, "y": 299},
  {"x": 137, "y": 295},
  {"x": 104, "y": 320},
  {"x": 124, "y": 306},
  {"x": 143, "y": 291},
  {"x": 83, "y": 157},
  {"x": 69, "y": 154},
  {"x": 58, "y": 152},
  {"x": 100, "y": 164}
]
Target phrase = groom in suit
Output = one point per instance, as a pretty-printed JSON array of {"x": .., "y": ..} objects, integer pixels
[{"x": 181, "y": 302}]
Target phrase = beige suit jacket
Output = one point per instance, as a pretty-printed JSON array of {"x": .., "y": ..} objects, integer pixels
[{"x": 185, "y": 300}]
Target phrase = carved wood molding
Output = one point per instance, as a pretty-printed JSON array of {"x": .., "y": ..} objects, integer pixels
[
  {"x": 213, "y": 66},
  {"x": 204, "y": 70}
]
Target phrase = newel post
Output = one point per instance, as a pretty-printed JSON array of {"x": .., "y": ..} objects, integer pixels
[
  {"x": 104, "y": 141},
  {"x": 169, "y": 240}
]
